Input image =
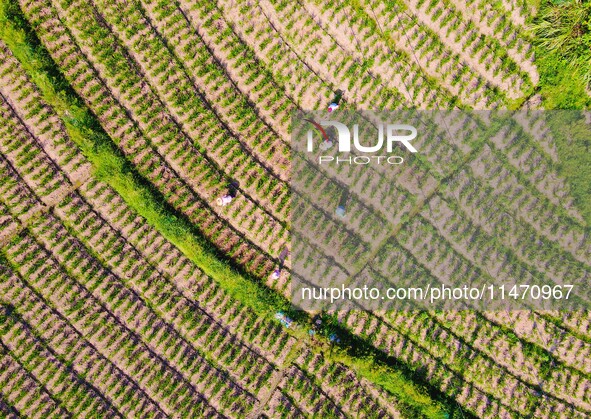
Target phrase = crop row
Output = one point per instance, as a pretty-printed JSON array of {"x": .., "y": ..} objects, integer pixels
[
  {"x": 338, "y": 60},
  {"x": 531, "y": 206},
  {"x": 77, "y": 222},
  {"x": 310, "y": 402},
  {"x": 480, "y": 51},
  {"x": 21, "y": 152},
  {"x": 46, "y": 228},
  {"x": 524, "y": 241},
  {"x": 521, "y": 151},
  {"x": 430, "y": 252},
  {"x": 252, "y": 330},
  {"x": 498, "y": 24},
  {"x": 25, "y": 394},
  {"x": 278, "y": 51},
  {"x": 353, "y": 394},
  {"x": 479, "y": 397},
  {"x": 19, "y": 98},
  {"x": 282, "y": 406},
  {"x": 165, "y": 71},
  {"x": 83, "y": 224},
  {"x": 178, "y": 382},
  {"x": 516, "y": 11},
  {"x": 434, "y": 255},
  {"x": 72, "y": 391},
  {"x": 12, "y": 190},
  {"x": 10, "y": 412},
  {"x": 454, "y": 268},
  {"x": 60, "y": 249},
  {"x": 182, "y": 196},
  {"x": 171, "y": 263},
  {"x": 154, "y": 124},
  {"x": 85, "y": 356},
  {"x": 333, "y": 62},
  {"x": 258, "y": 84},
  {"x": 219, "y": 88},
  {"x": 474, "y": 346},
  {"x": 429, "y": 368},
  {"x": 196, "y": 327},
  {"x": 82, "y": 269},
  {"x": 426, "y": 56},
  {"x": 272, "y": 51}
]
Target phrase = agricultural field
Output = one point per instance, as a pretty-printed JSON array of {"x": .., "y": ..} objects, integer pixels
[{"x": 150, "y": 221}]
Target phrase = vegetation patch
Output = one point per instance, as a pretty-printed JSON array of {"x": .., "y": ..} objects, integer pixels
[{"x": 562, "y": 37}]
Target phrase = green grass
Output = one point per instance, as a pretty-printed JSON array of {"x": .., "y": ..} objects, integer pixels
[
  {"x": 563, "y": 85},
  {"x": 111, "y": 167},
  {"x": 574, "y": 148}
]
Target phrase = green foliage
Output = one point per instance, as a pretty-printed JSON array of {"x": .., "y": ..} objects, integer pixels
[
  {"x": 417, "y": 400},
  {"x": 574, "y": 147},
  {"x": 561, "y": 56},
  {"x": 564, "y": 28},
  {"x": 562, "y": 39}
]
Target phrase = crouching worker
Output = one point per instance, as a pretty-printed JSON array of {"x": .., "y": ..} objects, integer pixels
[
  {"x": 224, "y": 200},
  {"x": 227, "y": 198},
  {"x": 334, "y": 105},
  {"x": 282, "y": 256}
]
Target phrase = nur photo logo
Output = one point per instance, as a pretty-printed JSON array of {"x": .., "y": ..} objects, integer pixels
[{"x": 336, "y": 132}]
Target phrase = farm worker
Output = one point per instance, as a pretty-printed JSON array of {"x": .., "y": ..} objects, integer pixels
[
  {"x": 282, "y": 257},
  {"x": 224, "y": 200},
  {"x": 333, "y": 106}
]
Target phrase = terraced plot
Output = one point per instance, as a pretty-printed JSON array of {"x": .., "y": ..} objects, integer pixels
[{"x": 127, "y": 291}]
